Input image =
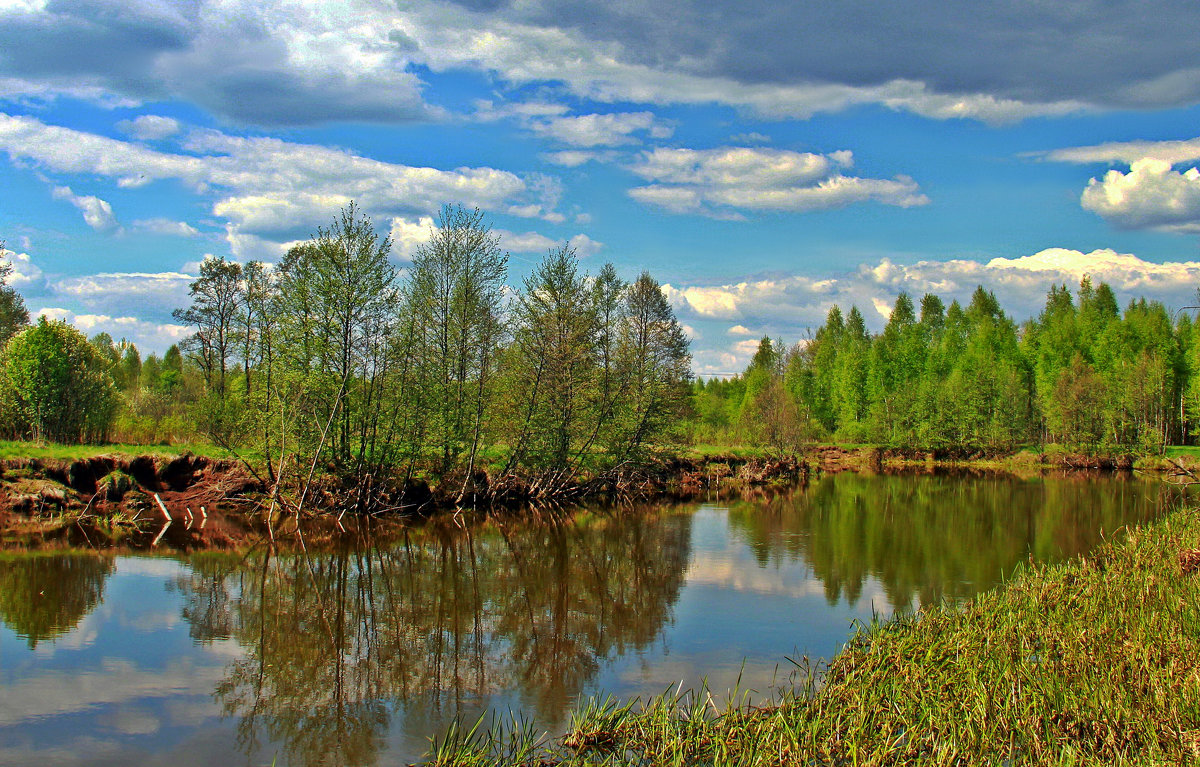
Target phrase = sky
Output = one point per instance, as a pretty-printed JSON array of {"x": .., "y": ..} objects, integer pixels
[{"x": 762, "y": 160}]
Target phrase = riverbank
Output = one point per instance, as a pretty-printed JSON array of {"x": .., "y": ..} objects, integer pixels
[
  {"x": 1093, "y": 661},
  {"x": 78, "y": 496},
  {"x": 107, "y": 500}
]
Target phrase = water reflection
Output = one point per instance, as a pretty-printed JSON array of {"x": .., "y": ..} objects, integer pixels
[
  {"x": 44, "y": 597},
  {"x": 442, "y": 622},
  {"x": 939, "y": 536},
  {"x": 358, "y": 655}
]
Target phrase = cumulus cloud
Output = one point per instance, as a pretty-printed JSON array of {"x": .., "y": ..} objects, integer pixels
[
  {"x": 409, "y": 235},
  {"x": 573, "y": 158},
  {"x": 97, "y": 213},
  {"x": 273, "y": 189},
  {"x": 585, "y": 246},
  {"x": 150, "y": 127},
  {"x": 25, "y": 274},
  {"x": 551, "y": 121},
  {"x": 716, "y": 181},
  {"x": 591, "y": 130},
  {"x": 1152, "y": 195}
]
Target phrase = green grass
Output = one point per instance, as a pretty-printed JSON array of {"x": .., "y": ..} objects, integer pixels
[
  {"x": 49, "y": 450},
  {"x": 702, "y": 450},
  {"x": 1091, "y": 662}
]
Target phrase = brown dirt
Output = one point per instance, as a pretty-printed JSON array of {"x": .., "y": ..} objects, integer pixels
[{"x": 49, "y": 503}]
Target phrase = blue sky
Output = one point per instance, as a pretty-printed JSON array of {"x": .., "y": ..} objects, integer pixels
[{"x": 763, "y": 160}]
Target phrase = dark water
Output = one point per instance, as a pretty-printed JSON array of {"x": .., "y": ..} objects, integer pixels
[{"x": 358, "y": 656}]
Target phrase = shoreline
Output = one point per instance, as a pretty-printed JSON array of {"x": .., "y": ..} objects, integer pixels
[
  {"x": 106, "y": 501},
  {"x": 1087, "y": 662}
]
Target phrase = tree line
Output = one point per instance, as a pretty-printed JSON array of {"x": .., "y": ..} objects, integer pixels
[
  {"x": 334, "y": 361},
  {"x": 1082, "y": 374}
]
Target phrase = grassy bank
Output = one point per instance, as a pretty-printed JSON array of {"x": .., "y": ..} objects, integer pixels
[
  {"x": 58, "y": 451},
  {"x": 1095, "y": 661}
]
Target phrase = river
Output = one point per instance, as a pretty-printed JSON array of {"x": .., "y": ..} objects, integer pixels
[{"x": 359, "y": 655}]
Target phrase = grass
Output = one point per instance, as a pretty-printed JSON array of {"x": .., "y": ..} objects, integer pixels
[
  {"x": 50, "y": 450},
  {"x": 1091, "y": 662}
]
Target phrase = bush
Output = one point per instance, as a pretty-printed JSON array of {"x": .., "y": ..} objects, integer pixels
[{"x": 56, "y": 386}]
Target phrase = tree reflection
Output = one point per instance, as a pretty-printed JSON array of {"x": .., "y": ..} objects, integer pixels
[
  {"x": 45, "y": 597},
  {"x": 436, "y": 623},
  {"x": 939, "y": 536}
]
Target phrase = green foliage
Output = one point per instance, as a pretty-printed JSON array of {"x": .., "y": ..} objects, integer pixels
[
  {"x": 968, "y": 381},
  {"x": 333, "y": 363},
  {"x": 57, "y": 384},
  {"x": 114, "y": 485}
]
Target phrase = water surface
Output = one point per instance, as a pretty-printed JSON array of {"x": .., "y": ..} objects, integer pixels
[{"x": 359, "y": 655}]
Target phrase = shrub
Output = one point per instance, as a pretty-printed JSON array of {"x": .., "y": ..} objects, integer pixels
[{"x": 56, "y": 385}]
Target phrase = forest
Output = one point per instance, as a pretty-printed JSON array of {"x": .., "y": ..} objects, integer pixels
[
  {"x": 1082, "y": 375},
  {"x": 337, "y": 363}
]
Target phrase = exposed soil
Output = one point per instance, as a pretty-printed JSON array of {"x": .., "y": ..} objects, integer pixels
[{"x": 110, "y": 500}]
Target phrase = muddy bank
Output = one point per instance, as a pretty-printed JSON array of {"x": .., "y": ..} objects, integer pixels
[
  {"x": 834, "y": 458},
  {"x": 110, "y": 500},
  {"x": 113, "y": 501}
]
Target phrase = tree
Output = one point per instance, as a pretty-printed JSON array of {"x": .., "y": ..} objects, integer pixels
[
  {"x": 216, "y": 296},
  {"x": 129, "y": 372},
  {"x": 58, "y": 384},
  {"x": 338, "y": 299},
  {"x": 554, "y": 334},
  {"x": 454, "y": 299},
  {"x": 655, "y": 362},
  {"x": 13, "y": 314}
]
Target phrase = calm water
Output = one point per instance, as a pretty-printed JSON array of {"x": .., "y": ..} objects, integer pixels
[{"x": 358, "y": 656}]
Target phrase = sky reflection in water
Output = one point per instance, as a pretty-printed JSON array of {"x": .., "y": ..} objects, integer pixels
[{"x": 362, "y": 657}]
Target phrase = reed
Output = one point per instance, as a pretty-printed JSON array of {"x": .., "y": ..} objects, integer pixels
[{"x": 1091, "y": 662}]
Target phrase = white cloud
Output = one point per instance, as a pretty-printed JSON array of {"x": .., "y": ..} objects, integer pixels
[
  {"x": 1129, "y": 152},
  {"x": 789, "y": 303},
  {"x": 97, "y": 213},
  {"x": 525, "y": 242},
  {"x": 1150, "y": 196},
  {"x": 573, "y": 158},
  {"x": 274, "y": 189},
  {"x": 25, "y": 273},
  {"x": 409, "y": 235},
  {"x": 591, "y": 130},
  {"x": 585, "y": 246},
  {"x": 166, "y": 226},
  {"x": 720, "y": 181},
  {"x": 740, "y": 330},
  {"x": 150, "y": 127},
  {"x": 121, "y": 294}
]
